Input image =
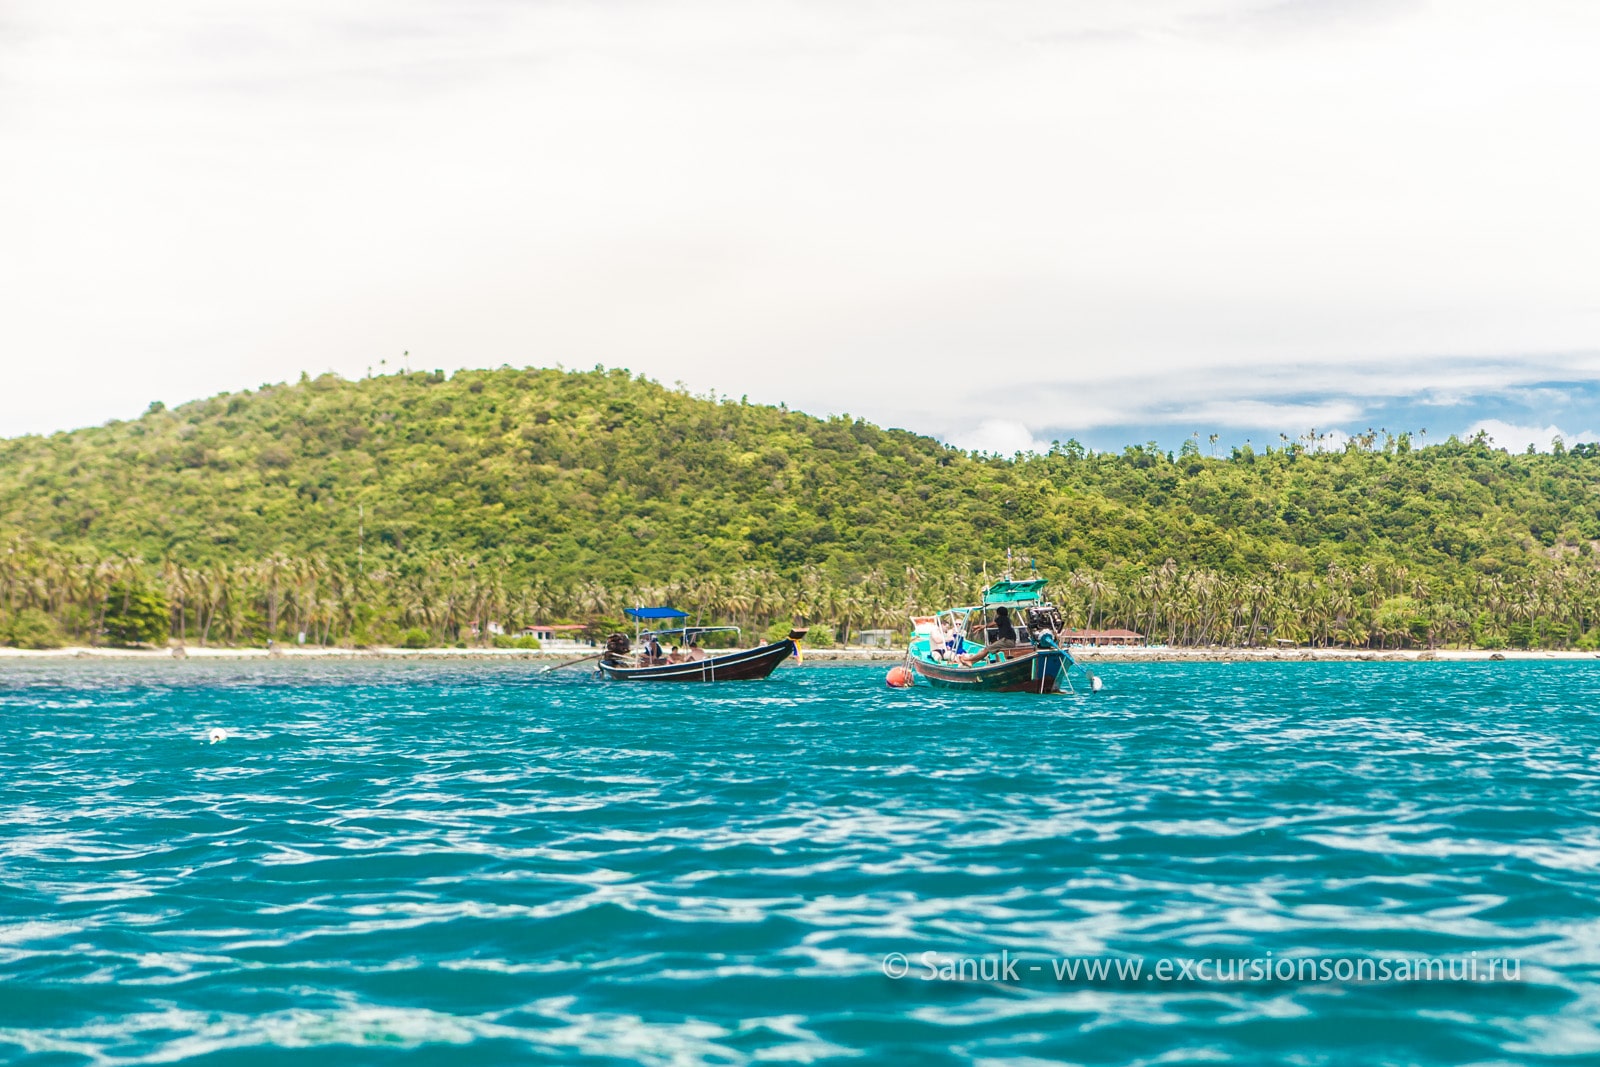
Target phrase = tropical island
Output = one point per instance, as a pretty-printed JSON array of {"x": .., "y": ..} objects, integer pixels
[{"x": 433, "y": 510}]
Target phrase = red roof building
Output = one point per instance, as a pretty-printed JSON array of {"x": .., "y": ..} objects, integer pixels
[{"x": 1102, "y": 637}]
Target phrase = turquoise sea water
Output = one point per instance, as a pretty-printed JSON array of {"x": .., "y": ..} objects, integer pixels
[{"x": 396, "y": 863}]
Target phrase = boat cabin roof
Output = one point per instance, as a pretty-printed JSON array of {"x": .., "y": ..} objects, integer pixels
[
  {"x": 655, "y": 613},
  {"x": 1007, "y": 591}
]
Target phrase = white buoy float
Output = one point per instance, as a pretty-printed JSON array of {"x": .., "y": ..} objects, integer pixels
[{"x": 218, "y": 734}]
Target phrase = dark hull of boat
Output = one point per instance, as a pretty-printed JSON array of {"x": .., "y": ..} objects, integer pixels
[
  {"x": 734, "y": 667},
  {"x": 1037, "y": 672}
]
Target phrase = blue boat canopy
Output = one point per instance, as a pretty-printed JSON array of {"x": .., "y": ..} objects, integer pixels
[
  {"x": 655, "y": 613},
  {"x": 1009, "y": 592}
]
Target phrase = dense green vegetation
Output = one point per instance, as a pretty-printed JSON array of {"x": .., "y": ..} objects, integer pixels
[{"x": 420, "y": 507}]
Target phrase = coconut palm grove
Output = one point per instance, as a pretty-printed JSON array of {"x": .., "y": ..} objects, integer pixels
[{"x": 420, "y": 508}]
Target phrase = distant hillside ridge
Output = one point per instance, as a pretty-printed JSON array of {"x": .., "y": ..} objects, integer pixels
[{"x": 567, "y": 472}]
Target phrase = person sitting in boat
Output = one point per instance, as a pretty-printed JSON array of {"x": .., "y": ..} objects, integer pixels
[
  {"x": 650, "y": 652},
  {"x": 696, "y": 653},
  {"x": 1005, "y": 636},
  {"x": 953, "y": 640},
  {"x": 938, "y": 641},
  {"x": 676, "y": 656}
]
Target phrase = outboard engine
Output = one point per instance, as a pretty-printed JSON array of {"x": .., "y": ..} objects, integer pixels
[
  {"x": 1045, "y": 617},
  {"x": 618, "y": 645}
]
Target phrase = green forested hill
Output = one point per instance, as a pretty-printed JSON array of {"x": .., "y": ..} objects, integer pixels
[{"x": 359, "y": 509}]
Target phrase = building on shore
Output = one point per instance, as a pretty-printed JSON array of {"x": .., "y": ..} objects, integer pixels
[
  {"x": 1102, "y": 637},
  {"x": 564, "y": 635}
]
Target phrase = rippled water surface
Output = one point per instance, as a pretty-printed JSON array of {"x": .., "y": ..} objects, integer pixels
[{"x": 471, "y": 864}]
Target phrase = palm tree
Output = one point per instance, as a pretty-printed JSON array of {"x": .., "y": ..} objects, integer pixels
[{"x": 274, "y": 569}]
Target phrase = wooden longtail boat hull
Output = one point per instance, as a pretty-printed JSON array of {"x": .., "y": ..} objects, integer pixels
[
  {"x": 734, "y": 667},
  {"x": 1037, "y": 672}
]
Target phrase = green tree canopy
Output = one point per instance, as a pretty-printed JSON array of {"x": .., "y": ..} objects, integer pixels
[{"x": 353, "y": 511}]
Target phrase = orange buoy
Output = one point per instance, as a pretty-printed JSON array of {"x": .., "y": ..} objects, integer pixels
[{"x": 900, "y": 677}]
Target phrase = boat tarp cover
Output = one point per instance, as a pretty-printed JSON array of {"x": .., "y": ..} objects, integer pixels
[
  {"x": 1009, "y": 592},
  {"x": 655, "y": 613}
]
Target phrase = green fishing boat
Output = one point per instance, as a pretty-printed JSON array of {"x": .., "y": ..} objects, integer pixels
[{"x": 1008, "y": 643}]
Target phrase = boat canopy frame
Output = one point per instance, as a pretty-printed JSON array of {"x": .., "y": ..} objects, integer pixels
[
  {"x": 670, "y": 614},
  {"x": 689, "y": 632},
  {"x": 1005, "y": 593}
]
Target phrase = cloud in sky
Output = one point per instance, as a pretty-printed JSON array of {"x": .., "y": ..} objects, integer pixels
[
  {"x": 1520, "y": 438},
  {"x": 1087, "y": 218},
  {"x": 1003, "y": 437}
]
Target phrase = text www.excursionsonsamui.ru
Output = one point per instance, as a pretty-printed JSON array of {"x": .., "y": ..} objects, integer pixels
[{"x": 1128, "y": 970}]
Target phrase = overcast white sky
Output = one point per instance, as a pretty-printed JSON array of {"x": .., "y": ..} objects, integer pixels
[{"x": 998, "y": 222}]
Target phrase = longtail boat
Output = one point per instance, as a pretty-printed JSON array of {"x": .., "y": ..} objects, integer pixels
[
  {"x": 964, "y": 648},
  {"x": 622, "y": 663}
]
